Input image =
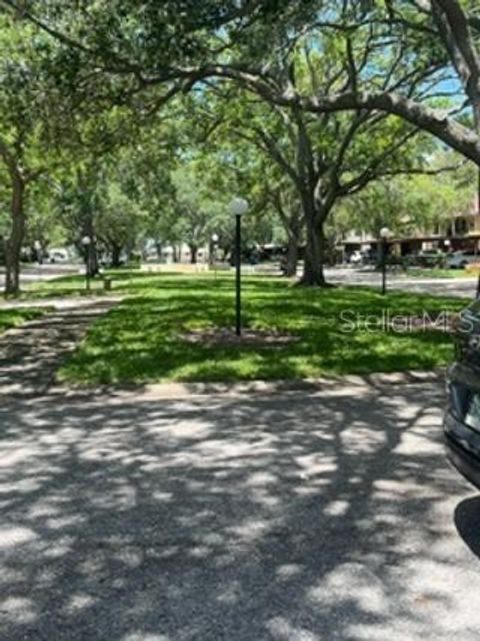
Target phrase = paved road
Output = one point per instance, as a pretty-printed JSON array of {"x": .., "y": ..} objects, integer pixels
[
  {"x": 444, "y": 286},
  {"x": 291, "y": 516}
]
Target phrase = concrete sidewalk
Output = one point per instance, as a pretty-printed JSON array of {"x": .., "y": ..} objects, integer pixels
[
  {"x": 291, "y": 516},
  {"x": 61, "y": 303},
  {"x": 35, "y": 273},
  {"x": 31, "y": 353}
]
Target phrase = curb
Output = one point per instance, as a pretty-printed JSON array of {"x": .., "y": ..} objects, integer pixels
[{"x": 242, "y": 389}]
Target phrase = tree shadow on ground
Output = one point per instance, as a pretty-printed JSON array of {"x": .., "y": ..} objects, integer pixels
[
  {"x": 296, "y": 517},
  {"x": 30, "y": 358}
]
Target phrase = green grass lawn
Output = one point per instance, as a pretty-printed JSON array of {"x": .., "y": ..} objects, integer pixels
[
  {"x": 14, "y": 317},
  {"x": 72, "y": 286},
  {"x": 440, "y": 273},
  {"x": 141, "y": 339}
]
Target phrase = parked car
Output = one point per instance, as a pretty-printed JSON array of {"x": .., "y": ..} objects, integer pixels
[
  {"x": 462, "y": 416},
  {"x": 356, "y": 258},
  {"x": 460, "y": 259},
  {"x": 58, "y": 256},
  {"x": 427, "y": 258}
]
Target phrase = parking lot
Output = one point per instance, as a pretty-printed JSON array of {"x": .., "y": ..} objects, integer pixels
[
  {"x": 465, "y": 287},
  {"x": 308, "y": 515}
]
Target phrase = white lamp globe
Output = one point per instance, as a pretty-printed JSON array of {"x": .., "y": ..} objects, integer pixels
[
  {"x": 238, "y": 207},
  {"x": 215, "y": 238},
  {"x": 385, "y": 233},
  {"x": 86, "y": 240}
]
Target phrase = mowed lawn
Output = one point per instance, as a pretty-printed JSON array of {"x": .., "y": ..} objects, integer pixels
[{"x": 142, "y": 339}]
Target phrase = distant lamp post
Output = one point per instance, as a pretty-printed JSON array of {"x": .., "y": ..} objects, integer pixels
[
  {"x": 213, "y": 258},
  {"x": 448, "y": 244},
  {"x": 37, "y": 245},
  {"x": 87, "y": 243},
  {"x": 384, "y": 235},
  {"x": 238, "y": 207}
]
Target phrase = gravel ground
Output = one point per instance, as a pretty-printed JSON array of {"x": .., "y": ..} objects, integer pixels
[{"x": 292, "y": 516}]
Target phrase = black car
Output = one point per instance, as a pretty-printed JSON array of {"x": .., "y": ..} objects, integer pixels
[{"x": 462, "y": 418}]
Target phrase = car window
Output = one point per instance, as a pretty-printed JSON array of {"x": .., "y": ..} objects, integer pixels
[{"x": 472, "y": 416}]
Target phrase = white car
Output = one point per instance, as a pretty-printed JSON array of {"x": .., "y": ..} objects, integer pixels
[
  {"x": 58, "y": 256},
  {"x": 356, "y": 258},
  {"x": 460, "y": 259}
]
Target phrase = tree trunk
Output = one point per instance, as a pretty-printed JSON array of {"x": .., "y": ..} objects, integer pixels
[
  {"x": 193, "y": 254},
  {"x": 159, "y": 249},
  {"x": 91, "y": 259},
  {"x": 116, "y": 253},
  {"x": 93, "y": 268},
  {"x": 291, "y": 262},
  {"x": 90, "y": 251},
  {"x": 476, "y": 111},
  {"x": 313, "y": 274},
  {"x": 13, "y": 247}
]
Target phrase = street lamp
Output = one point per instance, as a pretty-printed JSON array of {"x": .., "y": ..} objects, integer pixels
[
  {"x": 238, "y": 207},
  {"x": 37, "y": 245},
  {"x": 87, "y": 242},
  {"x": 213, "y": 256},
  {"x": 384, "y": 235}
]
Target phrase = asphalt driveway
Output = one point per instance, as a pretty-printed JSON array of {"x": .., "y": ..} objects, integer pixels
[
  {"x": 293, "y": 516},
  {"x": 463, "y": 287}
]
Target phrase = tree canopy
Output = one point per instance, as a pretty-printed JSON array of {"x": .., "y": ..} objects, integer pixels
[{"x": 148, "y": 116}]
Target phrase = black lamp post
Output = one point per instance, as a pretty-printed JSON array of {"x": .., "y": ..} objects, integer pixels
[
  {"x": 37, "y": 245},
  {"x": 238, "y": 207},
  {"x": 213, "y": 253},
  {"x": 87, "y": 242},
  {"x": 384, "y": 235}
]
